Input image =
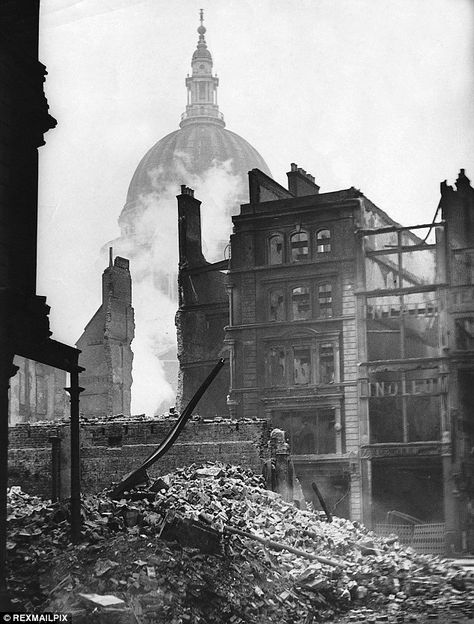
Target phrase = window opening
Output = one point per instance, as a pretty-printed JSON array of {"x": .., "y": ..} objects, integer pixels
[
  {"x": 275, "y": 255},
  {"x": 326, "y": 363},
  {"x": 277, "y": 366},
  {"x": 301, "y": 366},
  {"x": 277, "y": 305},
  {"x": 300, "y": 303},
  {"x": 325, "y": 300},
  {"x": 323, "y": 241},
  {"x": 299, "y": 246}
]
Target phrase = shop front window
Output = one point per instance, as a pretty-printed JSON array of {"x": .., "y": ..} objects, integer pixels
[{"x": 310, "y": 432}]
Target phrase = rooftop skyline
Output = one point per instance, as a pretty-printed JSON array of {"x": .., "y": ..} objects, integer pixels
[{"x": 373, "y": 95}]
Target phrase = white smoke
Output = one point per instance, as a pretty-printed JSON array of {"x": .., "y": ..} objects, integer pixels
[{"x": 153, "y": 253}]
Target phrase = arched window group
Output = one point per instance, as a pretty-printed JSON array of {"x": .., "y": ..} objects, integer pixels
[{"x": 299, "y": 246}]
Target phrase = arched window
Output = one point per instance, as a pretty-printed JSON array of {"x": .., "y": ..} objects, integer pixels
[
  {"x": 275, "y": 249},
  {"x": 323, "y": 241},
  {"x": 277, "y": 305},
  {"x": 299, "y": 249},
  {"x": 325, "y": 300},
  {"x": 300, "y": 303}
]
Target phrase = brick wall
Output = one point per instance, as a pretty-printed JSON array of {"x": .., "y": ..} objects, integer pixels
[{"x": 111, "y": 449}]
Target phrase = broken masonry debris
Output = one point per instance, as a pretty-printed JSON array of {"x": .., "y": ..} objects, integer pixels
[{"x": 212, "y": 546}]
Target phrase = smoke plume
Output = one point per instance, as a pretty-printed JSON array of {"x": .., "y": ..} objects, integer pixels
[{"x": 152, "y": 247}]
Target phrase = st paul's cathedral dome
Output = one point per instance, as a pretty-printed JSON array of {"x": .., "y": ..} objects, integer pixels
[{"x": 201, "y": 142}]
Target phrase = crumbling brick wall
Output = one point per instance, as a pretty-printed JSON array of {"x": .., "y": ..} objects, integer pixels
[{"x": 111, "y": 449}]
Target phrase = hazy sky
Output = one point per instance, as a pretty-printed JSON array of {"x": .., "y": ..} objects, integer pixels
[{"x": 376, "y": 94}]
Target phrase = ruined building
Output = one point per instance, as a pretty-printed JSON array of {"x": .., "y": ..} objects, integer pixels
[
  {"x": 24, "y": 321},
  {"x": 203, "y": 312},
  {"x": 105, "y": 345},
  {"x": 354, "y": 335},
  {"x": 37, "y": 391}
]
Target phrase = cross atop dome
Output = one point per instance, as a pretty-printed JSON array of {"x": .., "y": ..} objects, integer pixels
[
  {"x": 201, "y": 28},
  {"x": 202, "y": 85}
]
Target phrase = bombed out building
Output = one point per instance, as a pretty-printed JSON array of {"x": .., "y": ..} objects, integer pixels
[{"x": 352, "y": 333}]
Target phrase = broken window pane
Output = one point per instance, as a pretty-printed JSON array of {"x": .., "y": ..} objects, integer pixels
[
  {"x": 323, "y": 241},
  {"x": 300, "y": 303},
  {"x": 277, "y": 305},
  {"x": 326, "y": 363},
  {"x": 299, "y": 246},
  {"x": 465, "y": 333},
  {"x": 325, "y": 300},
  {"x": 277, "y": 366},
  {"x": 302, "y": 366},
  {"x": 275, "y": 249}
]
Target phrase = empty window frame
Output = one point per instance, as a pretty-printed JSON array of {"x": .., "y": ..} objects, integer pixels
[
  {"x": 326, "y": 363},
  {"x": 323, "y": 241},
  {"x": 275, "y": 249},
  {"x": 301, "y": 366},
  {"x": 325, "y": 300},
  {"x": 299, "y": 246},
  {"x": 277, "y": 366},
  {"x": 277, "y": 305},
  {"x": 300, "y": 303}
]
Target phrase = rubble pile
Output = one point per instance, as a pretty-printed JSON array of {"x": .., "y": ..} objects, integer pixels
[{"x": 210, "y": 544}]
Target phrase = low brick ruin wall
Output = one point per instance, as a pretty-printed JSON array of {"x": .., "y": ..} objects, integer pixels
[{"x": 111, "y": 449}]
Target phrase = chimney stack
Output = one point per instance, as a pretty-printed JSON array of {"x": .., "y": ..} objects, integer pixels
[
  {"x": 301, "y": 183},
  {"x": 189, "y": 228}
]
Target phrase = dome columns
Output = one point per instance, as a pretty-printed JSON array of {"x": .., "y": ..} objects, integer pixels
[{"x": 202, "y": 86}]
